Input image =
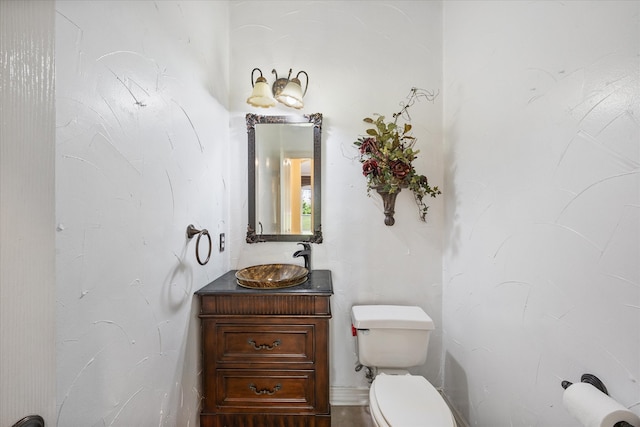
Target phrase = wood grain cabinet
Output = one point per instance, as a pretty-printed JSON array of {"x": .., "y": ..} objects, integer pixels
[{"x": 265, "y": 354}]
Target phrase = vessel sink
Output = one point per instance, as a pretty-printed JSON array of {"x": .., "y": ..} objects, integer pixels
[{"x": 271, "y": 276}]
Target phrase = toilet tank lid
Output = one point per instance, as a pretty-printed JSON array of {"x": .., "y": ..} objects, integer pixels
[{"x": 390, "y": 317}]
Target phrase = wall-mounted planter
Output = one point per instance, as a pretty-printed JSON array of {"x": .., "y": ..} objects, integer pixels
[{"x": 389, "y": 202}]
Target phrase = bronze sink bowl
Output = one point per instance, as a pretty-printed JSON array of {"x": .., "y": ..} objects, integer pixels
[{"x": 271, "y": 276}]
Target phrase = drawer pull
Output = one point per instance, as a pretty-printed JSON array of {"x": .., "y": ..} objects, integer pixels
[
  {"x": 271, "y": 392},
  {"x": 264, "y": 346}
]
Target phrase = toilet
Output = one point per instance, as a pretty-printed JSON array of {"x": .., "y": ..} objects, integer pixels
[{"x": 390, "y": 339}]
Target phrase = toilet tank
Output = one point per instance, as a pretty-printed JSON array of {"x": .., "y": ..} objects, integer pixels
[{"x": 391, "y": 336}]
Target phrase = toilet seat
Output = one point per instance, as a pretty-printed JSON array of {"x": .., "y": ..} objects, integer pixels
[{"x": 408, "y": 401}]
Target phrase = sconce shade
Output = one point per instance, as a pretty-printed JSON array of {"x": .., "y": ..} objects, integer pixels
[
  {"x": 291, "y": 95},
  {"x": 261, "y": 95},
  {"x": 287, "y": 91}
]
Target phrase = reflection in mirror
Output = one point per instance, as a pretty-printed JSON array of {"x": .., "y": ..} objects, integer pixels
[
  {"x": 284, "y": 156},
  {"x": 284, "y": 178}
]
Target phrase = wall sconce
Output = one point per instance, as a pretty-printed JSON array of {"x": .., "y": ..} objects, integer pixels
[{"x": 286, "y": 91}]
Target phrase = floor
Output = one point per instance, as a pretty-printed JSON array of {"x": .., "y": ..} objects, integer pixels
[
  {"x": 357, "y": 416},
  {"x": 351, "y": 416}
]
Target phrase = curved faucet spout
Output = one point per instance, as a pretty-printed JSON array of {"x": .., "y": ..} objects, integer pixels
[{"x": 305, "y": 253}]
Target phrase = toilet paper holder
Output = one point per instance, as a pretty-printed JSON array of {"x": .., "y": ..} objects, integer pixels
[
  {"x": 595, "y": 381},
  {"x": 590, "y": 379}
]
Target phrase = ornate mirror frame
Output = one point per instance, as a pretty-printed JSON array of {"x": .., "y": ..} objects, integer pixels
[{"x": 256, "y": 237}]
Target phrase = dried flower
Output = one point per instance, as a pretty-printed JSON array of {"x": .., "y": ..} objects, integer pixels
[
  {"x": 370, "y": 167},
  {"x": 399, "y": 169}
]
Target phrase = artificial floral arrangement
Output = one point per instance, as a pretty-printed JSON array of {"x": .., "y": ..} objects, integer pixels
[{"x": 387, "y": 156}]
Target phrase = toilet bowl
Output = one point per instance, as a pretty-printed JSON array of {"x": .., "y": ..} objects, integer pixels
[
  {"x": 390, "y": 339},
  {"x": 407, "y": 401}
]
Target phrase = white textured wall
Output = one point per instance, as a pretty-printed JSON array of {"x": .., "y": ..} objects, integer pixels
[
  {"x": 541, "y": 241},
  {"x": 542, "y": 276},
  {"x": 142, "y": 135},
  {"x": 362, "y": 58},
  {"x": 27, "y": 237}
]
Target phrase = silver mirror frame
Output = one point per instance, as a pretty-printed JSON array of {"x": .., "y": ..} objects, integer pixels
[{"x": 316, "y": 120}]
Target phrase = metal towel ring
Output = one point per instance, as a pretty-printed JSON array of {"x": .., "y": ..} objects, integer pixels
[{"x": 192, "y": 231}]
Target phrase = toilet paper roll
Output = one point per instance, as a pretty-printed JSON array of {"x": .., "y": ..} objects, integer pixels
[{"x": 593, "y": 408}]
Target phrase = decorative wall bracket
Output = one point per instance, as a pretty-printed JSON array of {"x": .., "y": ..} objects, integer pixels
[{"x": 389, "y": 203}]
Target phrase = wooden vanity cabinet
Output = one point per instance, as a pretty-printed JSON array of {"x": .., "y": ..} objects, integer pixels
[{"x": 265, "y": 354}]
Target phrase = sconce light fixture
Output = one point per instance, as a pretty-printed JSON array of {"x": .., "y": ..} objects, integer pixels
[{"x": 286, "y": 91}]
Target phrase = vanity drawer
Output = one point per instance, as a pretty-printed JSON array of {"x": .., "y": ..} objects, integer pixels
[
  {"x": 272, "y": 343},
  {"x": 252, "y": 390}
]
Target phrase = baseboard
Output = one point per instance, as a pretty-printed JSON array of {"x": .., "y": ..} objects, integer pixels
[
  {"x": 349, "y": 396},
  {"x": 460, "y": 422}
]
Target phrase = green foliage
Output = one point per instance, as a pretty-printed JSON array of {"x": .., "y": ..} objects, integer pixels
[{"x": 306, "y": 208}]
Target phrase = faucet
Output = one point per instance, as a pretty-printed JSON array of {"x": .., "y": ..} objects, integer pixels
[{"x": 305, "y": 253}]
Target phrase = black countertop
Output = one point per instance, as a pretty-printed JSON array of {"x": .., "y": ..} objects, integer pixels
[{"x": 318, "y": 283}]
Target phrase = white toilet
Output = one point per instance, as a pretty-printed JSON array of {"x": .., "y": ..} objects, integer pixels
[{"x": 390, "y": 339}]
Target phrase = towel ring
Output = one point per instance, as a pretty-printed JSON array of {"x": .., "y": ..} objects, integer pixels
[{"x": 192, "y": 231}]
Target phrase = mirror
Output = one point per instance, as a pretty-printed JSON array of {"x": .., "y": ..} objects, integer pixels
[{"x": 284, "y": 178}]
